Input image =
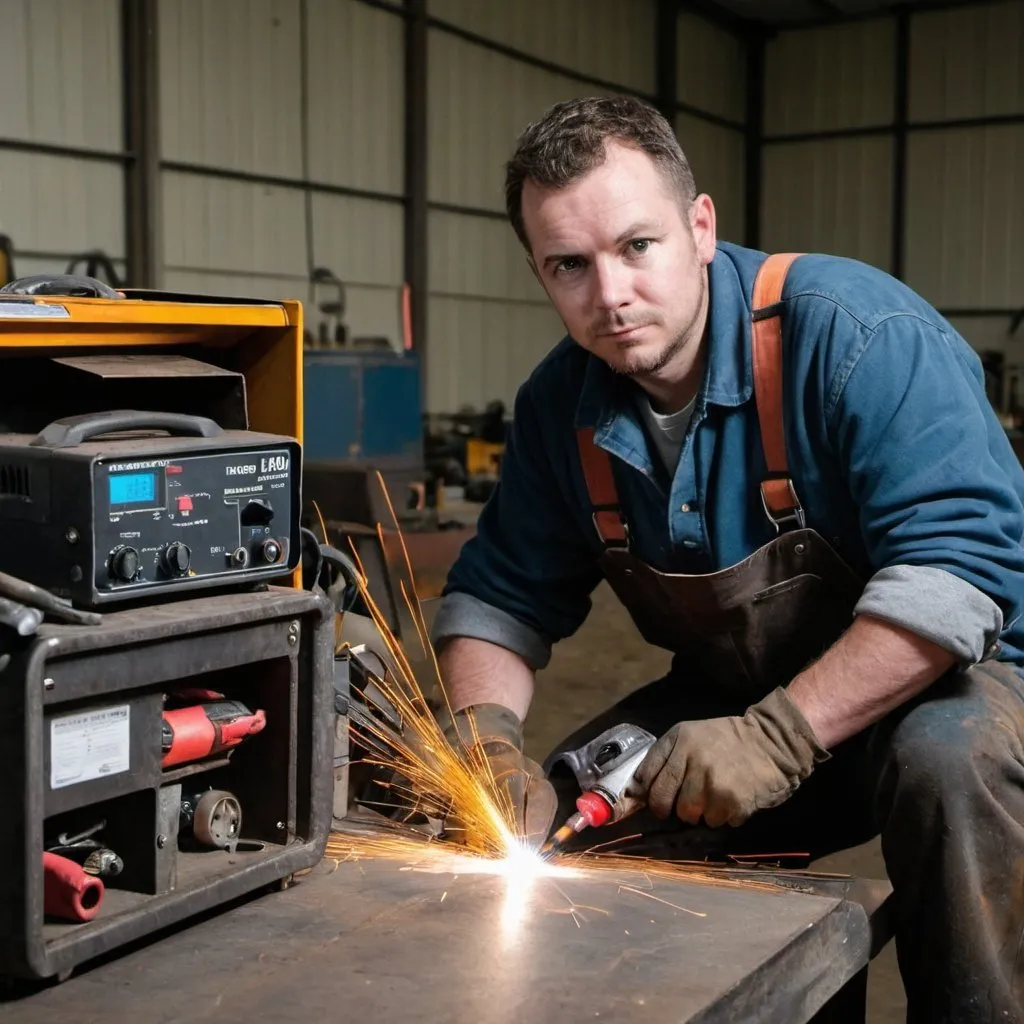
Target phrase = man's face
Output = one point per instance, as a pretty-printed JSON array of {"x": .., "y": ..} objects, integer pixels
[{"x": 623, "y": 263}]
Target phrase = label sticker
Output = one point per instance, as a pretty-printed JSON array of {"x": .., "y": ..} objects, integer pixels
[
  {"x": 89, "y": 745},
  {"x": 36, "y": 310}
]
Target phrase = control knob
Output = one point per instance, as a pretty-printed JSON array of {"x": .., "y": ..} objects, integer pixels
[
  {"x": 177, "y": 558},
  {"x": 271, "y": 550},
  {"x": 124, "y": 564}
]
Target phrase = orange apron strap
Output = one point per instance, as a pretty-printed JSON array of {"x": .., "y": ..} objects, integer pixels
[
  {"x": 779, "y": 497},
  {"x": 604, "y": 496}
]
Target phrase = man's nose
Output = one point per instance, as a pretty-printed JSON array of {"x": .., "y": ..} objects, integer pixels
[{"x": 613, "y": 283}]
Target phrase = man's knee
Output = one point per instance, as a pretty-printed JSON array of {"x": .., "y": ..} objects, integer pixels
[{"x": 964, "y": 736}]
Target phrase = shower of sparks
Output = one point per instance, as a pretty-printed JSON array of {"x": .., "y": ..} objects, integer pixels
[
  {"x": 427, "y": 774},
  {"x": 431, "y": 778}
]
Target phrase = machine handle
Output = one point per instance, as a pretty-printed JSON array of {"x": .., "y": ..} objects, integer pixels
[
  {"x": 71, "y": 285},
  {"x": 74, "y": 430}
]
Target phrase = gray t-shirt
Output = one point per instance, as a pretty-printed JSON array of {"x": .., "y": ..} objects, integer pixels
[{"x": 667, "y": 430}]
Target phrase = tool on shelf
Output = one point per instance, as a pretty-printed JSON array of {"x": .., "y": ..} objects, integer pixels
[
  {"x": 90, "y": 853},
  {"x": 212, "y": 818},
  {"x": 196, "y": 732},
  {"x": 69, "y": 892}
]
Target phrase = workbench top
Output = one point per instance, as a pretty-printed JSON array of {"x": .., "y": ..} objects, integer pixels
[{"x": 380, "y": 940}]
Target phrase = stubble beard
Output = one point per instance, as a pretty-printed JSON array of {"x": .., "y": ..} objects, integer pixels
[{"x": 647, "y": 364}]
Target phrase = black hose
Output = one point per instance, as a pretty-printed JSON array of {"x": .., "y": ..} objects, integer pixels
[
  {"x": 29, "y": 594},
  {"x": 19, "y": 617},
  {"x": 321, "y": 555}
]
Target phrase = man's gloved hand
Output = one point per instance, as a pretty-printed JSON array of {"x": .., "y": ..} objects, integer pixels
[
  {"x": 725, "y": 769},
  {"x": 499, "y": 735}
]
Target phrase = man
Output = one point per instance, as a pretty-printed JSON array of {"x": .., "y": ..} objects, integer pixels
[{"x": 791, "y": 476}]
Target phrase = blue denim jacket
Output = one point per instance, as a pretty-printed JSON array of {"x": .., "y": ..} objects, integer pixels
[{"x": 895, "y": 452}]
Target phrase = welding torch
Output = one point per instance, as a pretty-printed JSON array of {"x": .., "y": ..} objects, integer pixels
[{"x": 604, "y": 768}]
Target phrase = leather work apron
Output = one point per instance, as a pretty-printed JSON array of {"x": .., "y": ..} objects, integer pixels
[{"x": 754, "y": 625}]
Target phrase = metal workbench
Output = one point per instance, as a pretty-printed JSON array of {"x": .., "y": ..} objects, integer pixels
[{"x": 376, "y": 940}]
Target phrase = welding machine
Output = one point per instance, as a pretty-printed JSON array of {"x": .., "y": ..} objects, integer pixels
[{"x": 105, "y": 519}]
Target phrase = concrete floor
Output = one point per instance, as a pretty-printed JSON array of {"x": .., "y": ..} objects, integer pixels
[{"x": 607, "y": 659}]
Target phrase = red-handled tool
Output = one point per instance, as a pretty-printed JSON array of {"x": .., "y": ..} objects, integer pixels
[
  {"x": 193, "y": 733},
  {"x": 604, "y": 769},
  {"x": 68, "y": 891}
]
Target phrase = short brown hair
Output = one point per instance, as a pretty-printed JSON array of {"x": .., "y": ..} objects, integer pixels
[{"x": 569, "y": 141}]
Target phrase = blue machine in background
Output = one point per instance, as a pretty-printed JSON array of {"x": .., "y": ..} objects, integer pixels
[
  {"x": 362, "y": 412},
  {"x": 362, "y": 406}
]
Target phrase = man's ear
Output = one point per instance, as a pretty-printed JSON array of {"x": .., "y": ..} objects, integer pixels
[{"x": 703, "y": 225}]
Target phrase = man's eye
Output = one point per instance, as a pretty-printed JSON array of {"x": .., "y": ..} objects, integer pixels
[
  {"x": 569, "y": 264},
  {"x": 640, "y": 245}
]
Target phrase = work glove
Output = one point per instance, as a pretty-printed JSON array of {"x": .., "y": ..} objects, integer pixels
[
  {"x": 725, "y": 769},
  {"x": 498, "y": 733}
]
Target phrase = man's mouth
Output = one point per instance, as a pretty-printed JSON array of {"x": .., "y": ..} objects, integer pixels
[{"x": 624, "y": 334}]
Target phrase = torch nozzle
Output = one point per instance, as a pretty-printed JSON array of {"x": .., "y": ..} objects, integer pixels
[{"x": 574, "y": 824}]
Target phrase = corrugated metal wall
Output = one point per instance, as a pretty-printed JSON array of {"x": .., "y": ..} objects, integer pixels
[
  {"x": 281, "y": 138},
  {"x": 841, "y": 158},
  {"x": 470, "y": 134},
  {"x": 824, "y": 189},
  {"x": 489, "y": 321},
  {"x": 965, "y": 182},
  {"x": 965, "y": 216},
  {"x": 711, "y": 77},
  {"x": 711, "y": 70},
  {"x": 829, "y": 196},
  {"x": 967, "y": 62},
  {"x": 60, "y": 64},
  {"x": 601, "y": 38},
  {"x": 828, "y": 78},
  {"x": 717, "y": 156}
]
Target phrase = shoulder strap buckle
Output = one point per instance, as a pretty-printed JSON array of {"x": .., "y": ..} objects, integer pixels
[
  {"x": 611, "y": 526},
  {"x": 781, "y": 504}
]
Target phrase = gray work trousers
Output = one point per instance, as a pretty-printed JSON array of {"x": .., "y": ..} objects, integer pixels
[{"x": 941, "y": 779}]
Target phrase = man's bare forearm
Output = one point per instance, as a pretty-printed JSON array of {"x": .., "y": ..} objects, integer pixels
[
  {"x": 478, "y": 672},
  {"x": 872, "y": 669}
]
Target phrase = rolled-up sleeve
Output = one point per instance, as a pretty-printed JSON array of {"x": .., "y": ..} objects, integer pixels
[
  {"x": 937, "y": 487},
  {"x": 463, "y": 614},
  {"x": 936, "y": 605},
  {"x": 524, "y": 580}
]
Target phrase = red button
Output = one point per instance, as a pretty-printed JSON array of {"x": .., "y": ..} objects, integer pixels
[{"x": 185, "y": 504}]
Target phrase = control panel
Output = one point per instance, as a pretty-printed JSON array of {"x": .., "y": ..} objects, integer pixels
[
  {"x": 116, "y": 506},
  {"x": 192, "y": 516}
]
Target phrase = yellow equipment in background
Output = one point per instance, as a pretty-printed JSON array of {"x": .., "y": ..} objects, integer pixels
[{"x": 483, "y": 458}]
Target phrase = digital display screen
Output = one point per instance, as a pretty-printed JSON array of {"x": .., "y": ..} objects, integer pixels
[{"x": 132, "y": 488}]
